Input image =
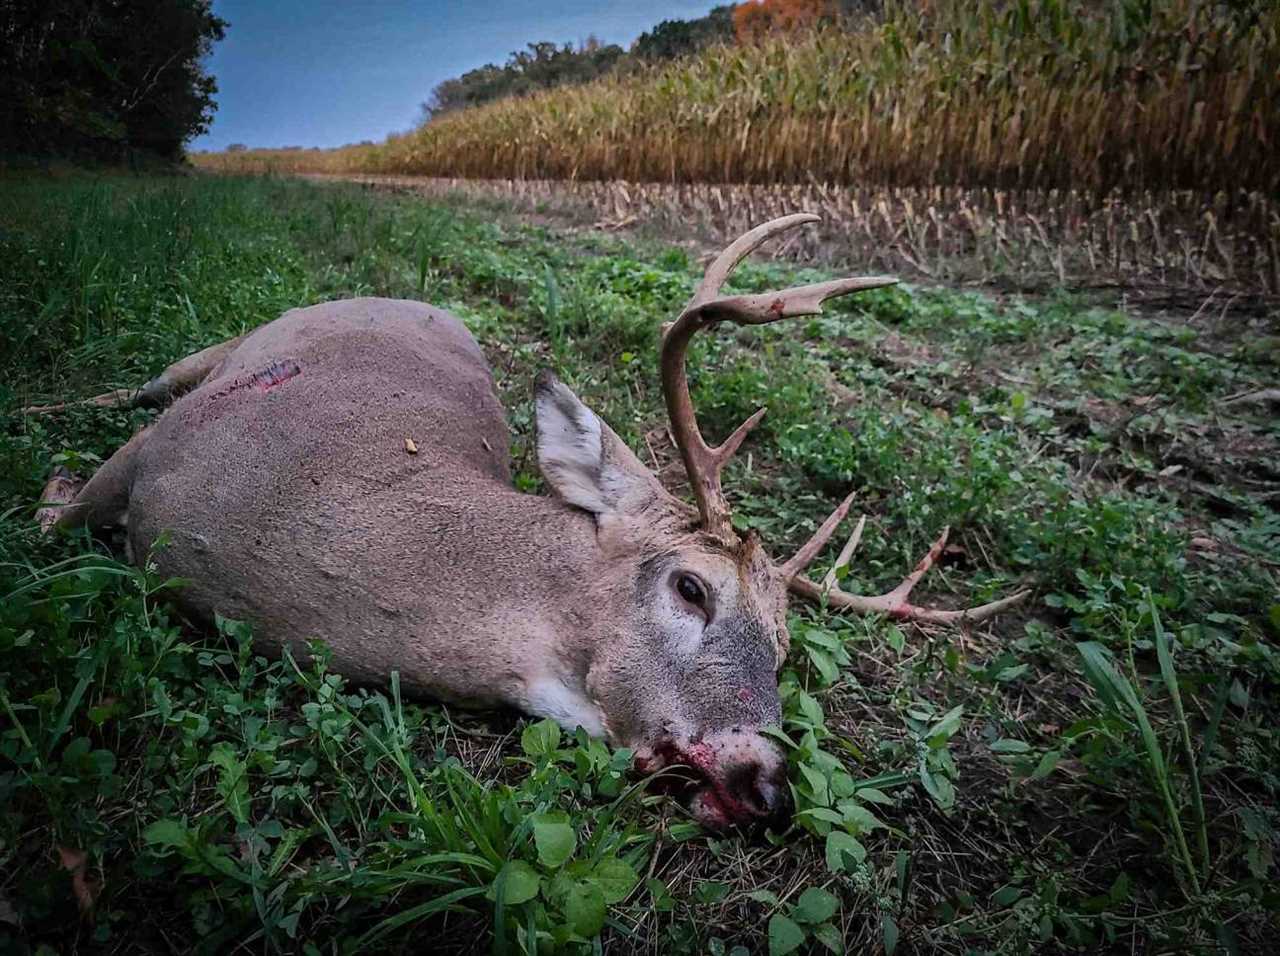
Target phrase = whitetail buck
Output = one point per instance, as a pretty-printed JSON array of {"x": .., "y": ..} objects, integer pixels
[{"x": 342, "y": 473}]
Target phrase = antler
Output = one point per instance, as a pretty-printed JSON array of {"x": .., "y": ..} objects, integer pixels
[
  {"x": 702, "y": 462},
  {"x": 893, "y": 603}
]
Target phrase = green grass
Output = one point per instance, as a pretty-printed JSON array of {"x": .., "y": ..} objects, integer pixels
[{"x": 1093, "y": 772}]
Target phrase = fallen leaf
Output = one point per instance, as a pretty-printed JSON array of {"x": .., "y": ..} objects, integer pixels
[{"x": 86, "y": 890}]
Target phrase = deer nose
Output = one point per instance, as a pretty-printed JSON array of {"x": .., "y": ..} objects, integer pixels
[{"x": 761, "y": 788}]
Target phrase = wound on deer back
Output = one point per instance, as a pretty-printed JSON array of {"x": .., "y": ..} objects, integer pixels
[
  {"x": 265, "y": 379},
  {"x": 277, "y": 373}
]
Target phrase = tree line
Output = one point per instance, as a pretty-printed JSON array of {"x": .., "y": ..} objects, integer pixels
[{"x": 105, "y": 79}]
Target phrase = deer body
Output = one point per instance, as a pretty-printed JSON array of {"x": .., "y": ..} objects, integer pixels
[
  {"x": 342, "y": 473},
  {"x": 317, "y": 522}
]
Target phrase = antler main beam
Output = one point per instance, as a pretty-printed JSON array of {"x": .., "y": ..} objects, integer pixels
[{"x": 704, "y": 463}]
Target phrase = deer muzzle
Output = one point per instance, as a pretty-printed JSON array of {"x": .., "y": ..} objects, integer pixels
[{"x": 731, "y": 777}]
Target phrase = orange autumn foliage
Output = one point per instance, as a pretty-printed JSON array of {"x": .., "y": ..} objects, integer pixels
[{"x": 756, "y": 19}]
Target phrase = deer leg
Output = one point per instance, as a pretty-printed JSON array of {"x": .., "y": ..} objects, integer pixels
[
  {"x": 178, "y": 379},
  {"x": 102, "y": 501},
  {"x": 59, "y": 491}
]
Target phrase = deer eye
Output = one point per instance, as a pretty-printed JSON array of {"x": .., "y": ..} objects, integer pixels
[{"x": 691, "y": 589}]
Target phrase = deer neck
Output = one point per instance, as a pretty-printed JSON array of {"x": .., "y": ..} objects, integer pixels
[{"x": 556, "y": 617}]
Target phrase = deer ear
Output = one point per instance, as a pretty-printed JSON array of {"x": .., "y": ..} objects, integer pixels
[{"x": 581, "y": 457}]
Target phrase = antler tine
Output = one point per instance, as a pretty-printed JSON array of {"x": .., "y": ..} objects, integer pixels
[
  {"x": 809, "y": 550},
  {"x": 766, "y": 307},
  {"x": 738, "y": 250},
  {"x": 703, "y": 463},
  {"x": 850, "y": 546},
  {"x": 892, "y": 603}
]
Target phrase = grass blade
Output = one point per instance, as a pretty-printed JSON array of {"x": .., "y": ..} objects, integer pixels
[
  {"x": 1115, "y": 689},
  {"x": 1175, "y": 694},
  {"x": 421, "y": 911}
]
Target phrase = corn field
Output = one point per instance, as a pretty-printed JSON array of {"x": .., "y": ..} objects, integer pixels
[
  {"x": 1040, "y": 94},
  {"x": 1177, "y": 241}
]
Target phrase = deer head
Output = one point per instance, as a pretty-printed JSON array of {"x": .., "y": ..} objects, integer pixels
[
  {"x": 683, "y": 671},
  {"x": 687, "y": 675}
]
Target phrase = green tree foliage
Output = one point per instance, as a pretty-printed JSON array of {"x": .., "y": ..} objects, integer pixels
[
  {"x": 541, "y": 66},
  {"x": 104, "y": 78},
  {"x": 673, "y": 38}
]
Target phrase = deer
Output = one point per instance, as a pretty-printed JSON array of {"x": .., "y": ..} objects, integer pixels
[{"x": 343, "y": 473}]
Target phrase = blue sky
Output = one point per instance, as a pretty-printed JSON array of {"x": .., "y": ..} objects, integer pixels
[{"x": 324, "y": 72}]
